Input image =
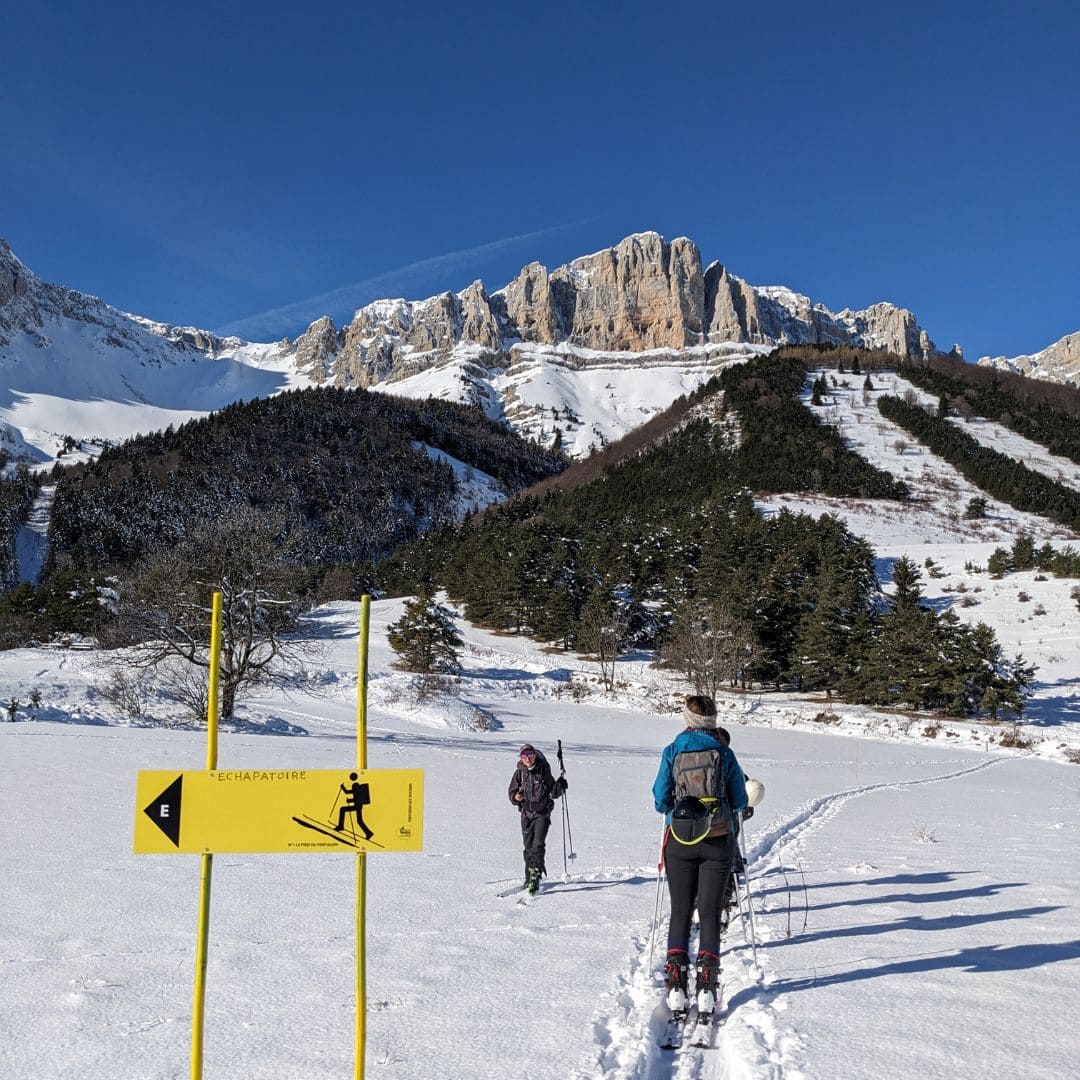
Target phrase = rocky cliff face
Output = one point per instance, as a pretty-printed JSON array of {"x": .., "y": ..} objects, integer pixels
[
  {"x": 12, "y": 276},
  {"x": 27, "y": 302},
  {"x": 36, "y": 309},
  {"x": 642, "y": 294},
  {"x": 1059, "y": 362}
]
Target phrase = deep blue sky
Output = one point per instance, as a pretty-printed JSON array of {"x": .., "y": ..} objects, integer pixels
[{"x": 207, "y": 163}]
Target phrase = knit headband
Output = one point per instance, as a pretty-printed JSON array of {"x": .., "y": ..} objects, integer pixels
[{"x": 698, "y": 720}]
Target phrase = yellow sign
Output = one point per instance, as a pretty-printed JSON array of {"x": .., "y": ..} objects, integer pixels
[{"x": 260, "y": 810}]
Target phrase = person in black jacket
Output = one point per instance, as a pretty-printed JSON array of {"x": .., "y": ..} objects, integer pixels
[{"x": 533, "y": 790}]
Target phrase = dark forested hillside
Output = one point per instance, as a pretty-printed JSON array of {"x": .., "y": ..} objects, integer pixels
[
  {"x": 16, "y": 497},
  {"x": 784, "y": 446},
  {"x": 667, "y": 544},
  {"x": 344, "y": 469}
]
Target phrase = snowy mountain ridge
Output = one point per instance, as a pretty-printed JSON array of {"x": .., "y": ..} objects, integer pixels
[
  {"x": 73, "y": 367},
  {"x": 1058, "y": 363},
  {"x": 580, "y": 354}
]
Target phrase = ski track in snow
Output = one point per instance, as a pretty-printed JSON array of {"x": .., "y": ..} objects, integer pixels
[{"x": 752, "y": 1043}]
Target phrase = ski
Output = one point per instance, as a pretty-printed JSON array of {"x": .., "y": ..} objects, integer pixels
[
  {"x": 522, "y": 888},
  {"x": 705, "y": 1030},
  {"x": 329, "y": 830},
  {"x": 341, "y": 839},
  {"x": 671, "y": 1038}
]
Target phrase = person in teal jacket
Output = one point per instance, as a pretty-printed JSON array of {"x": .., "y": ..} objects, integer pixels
[{"x": 699, "y": 864}]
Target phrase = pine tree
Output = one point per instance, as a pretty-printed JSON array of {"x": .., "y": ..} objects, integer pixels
[
  {"x": 1023, "y": 552},
  {"x": 425, "y": 638},
  {"x": 602, "y": 628},
  {"x": 906, "y": 578},
  {"x": 818, "y": 656}
]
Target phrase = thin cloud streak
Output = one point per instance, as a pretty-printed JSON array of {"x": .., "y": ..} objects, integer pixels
[{"x": 283, "y": 321}]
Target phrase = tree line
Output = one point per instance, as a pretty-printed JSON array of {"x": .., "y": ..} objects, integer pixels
[
  {"x": 17, "y": 493},
  {"x": 997, "y": 474},
  {"x": 1044, "y": 412},
  {"x": 347, "y": 468}
]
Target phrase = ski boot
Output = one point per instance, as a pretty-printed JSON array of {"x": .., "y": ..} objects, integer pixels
[
  {"x": 676, "y": 969},
  {"x": 708, "y": 982},
  {"x": 532, "y": 880}
]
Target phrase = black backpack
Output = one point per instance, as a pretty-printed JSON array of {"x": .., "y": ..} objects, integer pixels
[{"x": 701, "y": 806}]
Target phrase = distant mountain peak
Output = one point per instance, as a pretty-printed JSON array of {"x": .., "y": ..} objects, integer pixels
[
  {"x": 641, "y": 305},
  {"x": 1059, "y": 362},
  {"x": 643, "y": 293}
]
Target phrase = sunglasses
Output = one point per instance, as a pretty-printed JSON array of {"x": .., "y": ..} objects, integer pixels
[{"x": 528, "y": 757}]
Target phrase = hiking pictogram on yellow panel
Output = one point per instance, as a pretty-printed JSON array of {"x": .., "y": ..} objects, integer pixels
[{"x": 283, "y": 810}]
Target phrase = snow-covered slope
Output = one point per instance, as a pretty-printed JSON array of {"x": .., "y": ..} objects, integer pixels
[
  {"x": 935, "y": 512},
  {"x": 579, "y": 397},
  {"x": 71, "y": 365},
  {"x": 909, "y": 892},
  {"x": 1031, "y": 613}
]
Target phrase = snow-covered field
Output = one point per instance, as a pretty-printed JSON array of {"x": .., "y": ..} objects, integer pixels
[
  {"x": 915, "y": 898},
  {"x": 914, "y": 882}
]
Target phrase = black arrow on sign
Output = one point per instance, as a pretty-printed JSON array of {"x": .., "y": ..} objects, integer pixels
[{"x": 164, "y": 811}]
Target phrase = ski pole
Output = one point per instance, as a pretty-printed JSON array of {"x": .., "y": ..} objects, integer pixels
[
  {"x": 569, "y": 833},
  {"x": 742, "y": 916},
  {"x": 566, "y": 811},
  {"x": 749, "y": 898},
  {"x": 566, "y": 872},
  {"x": 562, "y": 773},
  {"x": 656, "y": 907}
]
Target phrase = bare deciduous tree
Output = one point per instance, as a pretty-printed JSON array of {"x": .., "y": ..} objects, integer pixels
[
  {"x": 711, "y": 645},
  {"x": 166, "y": 606},
  {"x": 603, "y": 630}
]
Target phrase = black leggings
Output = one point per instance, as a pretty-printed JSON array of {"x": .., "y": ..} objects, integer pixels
[{"x": 697, "y": 877}]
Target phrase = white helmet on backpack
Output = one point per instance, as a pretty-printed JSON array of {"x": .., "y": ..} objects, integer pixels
[{"x": 755, "y": 792}]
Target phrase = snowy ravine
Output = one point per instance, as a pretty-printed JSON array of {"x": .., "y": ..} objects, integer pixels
[
  {"x": 32, "y": 541},
  {"x": 914, "y": 897}
]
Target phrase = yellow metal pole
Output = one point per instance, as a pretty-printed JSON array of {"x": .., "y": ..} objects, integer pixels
[
  {"x": 213, "y": 691},
  {"x": 361, "y": 683},
  {"x": 361, "y": 858},
  {"x": 203, "y": 939}
]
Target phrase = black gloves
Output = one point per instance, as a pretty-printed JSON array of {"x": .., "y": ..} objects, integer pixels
[
  {"x": 748, "y": 813},
  {"x": 560, "y": 786}
]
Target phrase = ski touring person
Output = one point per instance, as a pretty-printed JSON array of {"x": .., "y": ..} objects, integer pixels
[
  {"x": 700, "y": 789},
  {"x": 533, "y": 790}
]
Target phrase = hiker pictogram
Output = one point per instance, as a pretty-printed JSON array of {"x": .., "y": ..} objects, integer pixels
[
  {"x": 350, "y": 799},
  {"x": 357, "y": 796}
]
